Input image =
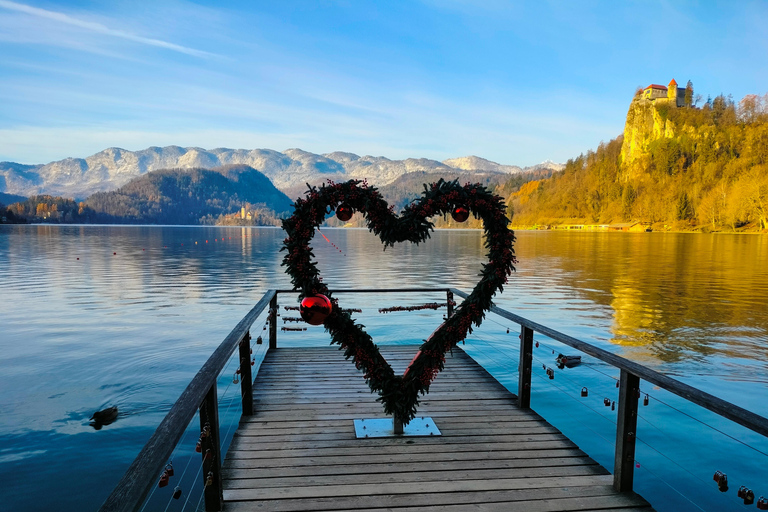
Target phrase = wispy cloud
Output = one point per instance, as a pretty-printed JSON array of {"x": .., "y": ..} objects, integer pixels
[{"x": 101, "y": 29}]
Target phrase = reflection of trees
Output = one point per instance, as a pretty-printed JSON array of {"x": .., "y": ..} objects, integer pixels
[{"x": 671, "y": 294}]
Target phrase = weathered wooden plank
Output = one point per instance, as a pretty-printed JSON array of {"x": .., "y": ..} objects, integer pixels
[
  {"x": 352, "y": 445},
  {"x": 416, "y": 449},
  {"x": 512, "y": 498},
  {"x": 276, "y": 493},
  {"x": 406, "y": 477},
  {"x": 310, "y": 433},
  {"x": 243, "y": 461},
  {"x": 233, "y": 472}
]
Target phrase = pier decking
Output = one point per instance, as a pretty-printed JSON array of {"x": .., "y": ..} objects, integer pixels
[{"x": 298, "y": 451}]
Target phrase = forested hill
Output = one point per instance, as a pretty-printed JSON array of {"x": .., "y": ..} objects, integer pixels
[
  {"x": 189, "y": 196},
  {"x": 680, "y": 167}
]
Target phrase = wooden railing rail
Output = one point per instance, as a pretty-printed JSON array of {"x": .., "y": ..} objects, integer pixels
[
  {"x": 200, "y": 394},
  {"x": 629, "y": 382}
]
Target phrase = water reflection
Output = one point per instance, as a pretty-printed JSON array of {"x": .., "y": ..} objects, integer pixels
[
  {"x": 671, "y": 296},
  {"x": 101, "y": 316}
]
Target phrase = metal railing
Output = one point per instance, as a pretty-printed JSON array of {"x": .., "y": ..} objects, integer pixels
[{"x": 201, "y": 396}]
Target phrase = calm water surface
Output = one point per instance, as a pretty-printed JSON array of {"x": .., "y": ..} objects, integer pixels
[{"x": 97, "y": 316}]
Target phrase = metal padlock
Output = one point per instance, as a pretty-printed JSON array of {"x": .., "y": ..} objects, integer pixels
[
  {"x": 722, "y": 480},
  {"x": 169, "y": 468},
  {"x": 607, "y": 402},
  {"x": 613, "y": 406},
  {"x": 584, "y": 391},
  {"x": 762, "y": 503},
  {"x": 646, "y": 400},
  {"x": 199, "y": 445},
  {"x": 749, "y": 497},
  {"x": 163, "y": 479},
  {"x": 177, "y": 492}
]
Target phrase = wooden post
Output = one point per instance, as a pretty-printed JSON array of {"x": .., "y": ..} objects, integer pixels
[
  {"x": 397, "y": 425},
  {"x": 246, "y": 378},
  {"x": 211, "y": 446},
  {"x": 449, "y": 306},
  {"x": 524, "y": 368},
  {"x": 273, "y": 323},
  {"x": 626, "y": 432}
]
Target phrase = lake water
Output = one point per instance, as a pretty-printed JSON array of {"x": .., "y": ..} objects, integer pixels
[{"x": 95, "y": 316}]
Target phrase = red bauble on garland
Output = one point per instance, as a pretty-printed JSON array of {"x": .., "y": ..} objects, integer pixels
[
  {"x": 460, "y": 214},
  {"x": 315, "y": 309},
  {"x": 344, "y": 212}
]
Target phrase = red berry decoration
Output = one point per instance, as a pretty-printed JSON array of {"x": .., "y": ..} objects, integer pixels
[
  {"x": 460, "y": 214},
  {"x": 344, "y": 212},
  {"x": 315, "y": 309}
]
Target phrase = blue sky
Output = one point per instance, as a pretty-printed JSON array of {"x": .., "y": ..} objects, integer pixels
[{"x": 514, "y": 82}]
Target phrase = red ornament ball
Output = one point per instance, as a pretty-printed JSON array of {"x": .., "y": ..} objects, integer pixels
[
  {"x": 315, "y": 309},
  {"x": 460, "y": 214},
  {"x": 344, "y": 212}
]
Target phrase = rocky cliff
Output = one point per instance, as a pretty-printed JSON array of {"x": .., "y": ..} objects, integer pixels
[{"x": 647, "y": 121}]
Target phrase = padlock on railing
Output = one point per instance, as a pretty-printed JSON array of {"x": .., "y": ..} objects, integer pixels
[
  {"x": 613, "y": 405},
  {"x": 722, "y": 480},
  {"x": 169, "y": 468},
  {"x": 209, "y": 479},
  {"x": 607, "y": 402},
  {"x": 199, "y": 445},
  {"x": 177, "y": 492},
  {"x": 749, "y": 497},
  {"x": 646, "y": 400},
  {"x": 584, "y": 391},
  {"x": 762, "y": 503},
  {"x": 163, "y": 479}
]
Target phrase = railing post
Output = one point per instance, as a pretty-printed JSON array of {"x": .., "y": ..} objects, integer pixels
[
  {"x": 525, "y": 368},
  {"x": 246, "y": 378},
  {"x": 449, "y": 303},
  {"x": 273, "y": 323},
  {"x": 626, "y": 432},
  {"x": 211, "y": 450}
]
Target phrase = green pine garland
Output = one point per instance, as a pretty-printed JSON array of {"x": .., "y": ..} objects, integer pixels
[{"x": 400, "y": 394}]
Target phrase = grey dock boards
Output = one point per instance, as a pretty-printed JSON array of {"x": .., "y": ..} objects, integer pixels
[{"x": 299, "y": 452}]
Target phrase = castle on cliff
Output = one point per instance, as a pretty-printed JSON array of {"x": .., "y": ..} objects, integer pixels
[{"x": 670, "y": 93}]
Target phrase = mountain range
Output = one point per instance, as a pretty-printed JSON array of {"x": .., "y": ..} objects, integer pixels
[{"x": 289, "y": 170}]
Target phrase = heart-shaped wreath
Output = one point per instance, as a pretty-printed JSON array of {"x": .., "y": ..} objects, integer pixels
[{"x": 400, "y": 394}]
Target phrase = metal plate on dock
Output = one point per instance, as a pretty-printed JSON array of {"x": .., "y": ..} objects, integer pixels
[{"x": 382, "y": 427}]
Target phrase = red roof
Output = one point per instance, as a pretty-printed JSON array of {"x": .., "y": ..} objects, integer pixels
[
  {"x": 672, "y": 83},
  {"x": 655, "y": 86}
]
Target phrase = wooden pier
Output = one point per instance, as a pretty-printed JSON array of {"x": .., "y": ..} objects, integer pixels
[
  {"x": 296, "y": 448},
  {"x": 298, "y": 451}
]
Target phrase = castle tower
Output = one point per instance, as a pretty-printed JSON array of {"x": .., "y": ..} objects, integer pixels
[{"x": 672, "y": 91}]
